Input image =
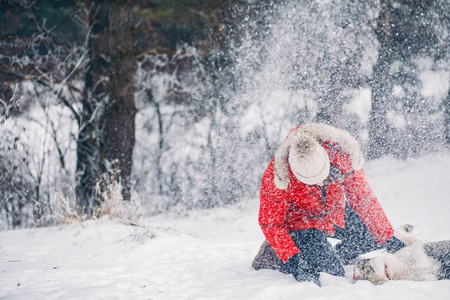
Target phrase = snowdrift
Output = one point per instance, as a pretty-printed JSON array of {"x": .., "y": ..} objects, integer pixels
[{"x": 207, "y": 254}]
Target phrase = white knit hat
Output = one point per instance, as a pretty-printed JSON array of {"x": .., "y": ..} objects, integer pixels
[
  {"x": 309, "y": 162},
  {"x": 304, "y": 139}
]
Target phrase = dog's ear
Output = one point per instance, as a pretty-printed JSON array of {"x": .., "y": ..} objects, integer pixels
[{"x": 404, "y": 234}]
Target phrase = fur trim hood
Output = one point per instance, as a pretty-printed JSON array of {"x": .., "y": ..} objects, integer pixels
[{"x": 307, "y": 137}]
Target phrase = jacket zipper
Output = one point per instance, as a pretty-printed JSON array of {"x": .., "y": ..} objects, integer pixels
[{"x": 324, "y": 197}]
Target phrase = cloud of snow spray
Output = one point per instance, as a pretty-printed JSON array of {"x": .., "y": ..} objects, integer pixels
[
  {"x": 309, "y": 52},
  {"x": 297, "y": 62},
  {"x": 313, "y": 63},
  {"x": 306, "y": 59}
]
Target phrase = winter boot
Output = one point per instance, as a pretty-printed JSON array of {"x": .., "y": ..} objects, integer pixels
[{"x": 267, "y": 258}]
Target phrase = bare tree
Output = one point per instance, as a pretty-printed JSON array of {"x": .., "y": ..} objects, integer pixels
[
  {"x": 108, "y": 111},
  {"x": 381, "y": 86}
]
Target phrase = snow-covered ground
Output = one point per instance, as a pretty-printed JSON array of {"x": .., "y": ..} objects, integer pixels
[{"x": 207, "y": 254}]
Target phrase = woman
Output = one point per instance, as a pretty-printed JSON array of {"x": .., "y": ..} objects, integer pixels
[{"x": 315, "y": 188}]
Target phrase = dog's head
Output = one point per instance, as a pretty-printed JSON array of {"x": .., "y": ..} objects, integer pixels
[{"x": 370, "y": 269}]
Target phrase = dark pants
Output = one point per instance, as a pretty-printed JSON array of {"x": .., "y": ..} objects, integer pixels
[
  {"x": 440, "y": 251},
  {"x": 356, "y": 238},
  {"x": 317, "y": 250}
]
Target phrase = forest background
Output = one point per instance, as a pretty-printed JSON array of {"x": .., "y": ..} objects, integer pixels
[{"x": 181, "y": 104}]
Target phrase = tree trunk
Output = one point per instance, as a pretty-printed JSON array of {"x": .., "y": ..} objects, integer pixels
[
  {"x": 447, "y": 118},
  {"x": 159, "y": 172},
  {"x": 107, "y": 127},
  {"x": 381, "y": 88}
]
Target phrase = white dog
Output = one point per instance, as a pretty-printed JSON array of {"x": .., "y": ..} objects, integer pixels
[{"x": 417, "y": 261}]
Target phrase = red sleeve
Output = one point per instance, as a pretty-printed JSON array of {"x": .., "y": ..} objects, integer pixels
[
  {"x": 362, "y": 199},
  {"x": 272, "y": 217}
]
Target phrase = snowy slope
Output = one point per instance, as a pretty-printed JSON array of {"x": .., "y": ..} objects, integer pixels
[{"x": 207, "y": 254}]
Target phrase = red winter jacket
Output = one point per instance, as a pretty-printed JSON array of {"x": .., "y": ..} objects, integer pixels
[{"x": 300, "y": 206}]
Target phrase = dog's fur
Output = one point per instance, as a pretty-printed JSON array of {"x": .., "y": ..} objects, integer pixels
[{"x": 418, "y": 261}]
